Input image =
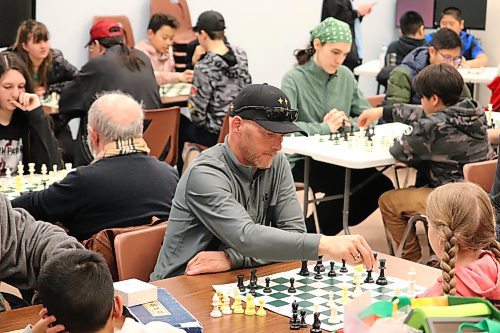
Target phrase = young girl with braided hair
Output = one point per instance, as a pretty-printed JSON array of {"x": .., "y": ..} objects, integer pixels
[{"x": 462, "y": 234}]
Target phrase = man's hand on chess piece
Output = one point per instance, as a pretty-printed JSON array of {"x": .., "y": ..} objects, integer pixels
[
  {"x": 369, "y": 116},
  {"x": 186, "y": 76},
  {"x": 334, "y": 119},
  {"x": 208, "y": 262},
  {"x": 27, "y": 101},
  {"x": 353, "y": 248}
]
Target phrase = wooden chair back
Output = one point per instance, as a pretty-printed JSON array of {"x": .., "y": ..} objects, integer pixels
[{"x": 161, "y": 133}]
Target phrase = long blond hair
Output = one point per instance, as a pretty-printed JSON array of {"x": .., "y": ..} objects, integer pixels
[{"x": 463, "y": 215}]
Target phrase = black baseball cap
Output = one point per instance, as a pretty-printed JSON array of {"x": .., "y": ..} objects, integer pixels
[
  {"x": 210, "y": 21},
  {"x": 268, "y": 106}
]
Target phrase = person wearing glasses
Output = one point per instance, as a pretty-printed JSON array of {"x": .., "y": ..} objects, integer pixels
[
  {"x": 447, "y": 132},
  {"x": 472, "y": 53},
  {"x": 327, "y": 95},
  {"x": 235, "y": 205},
  {"x": 444, "y": 48}
]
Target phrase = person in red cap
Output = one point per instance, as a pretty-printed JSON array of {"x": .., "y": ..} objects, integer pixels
[{"x": 112, "y": 66}]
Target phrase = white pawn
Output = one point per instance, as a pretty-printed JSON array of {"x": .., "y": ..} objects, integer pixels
[
  {"x": 215, "y": 303},
  {"x": 44, "y": 171},
  {"x": 334, "y": 318},
  {"x": 226, "y": 308},
  {"x": 20, "y": 169},
  {"x": 330, "y": 298},
  {"x": 8, "y": 173}
]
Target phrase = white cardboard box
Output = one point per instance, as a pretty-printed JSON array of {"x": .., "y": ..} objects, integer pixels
[{"x": 134, "y": 292}]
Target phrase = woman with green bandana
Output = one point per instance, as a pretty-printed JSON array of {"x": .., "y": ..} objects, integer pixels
[{"x": 327, "y": 96}]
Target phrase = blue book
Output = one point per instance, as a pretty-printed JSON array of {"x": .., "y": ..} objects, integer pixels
[{"x": 167, "y": 309}]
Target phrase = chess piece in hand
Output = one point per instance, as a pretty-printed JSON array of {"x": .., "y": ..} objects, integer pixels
[
  {"x": 335, "y": 119},
  {"x": 27, "y": 102},
  {"x": 367, "y": 117},
  {"x": 186, "y": 76}
]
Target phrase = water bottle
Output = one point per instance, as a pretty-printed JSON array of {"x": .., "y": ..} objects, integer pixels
[{"x": 381, "y": 55}]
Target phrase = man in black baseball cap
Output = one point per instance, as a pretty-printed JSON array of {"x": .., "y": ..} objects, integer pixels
[
  {"x": 235, "y": 205},
  {"x": 268, "y": 106}
]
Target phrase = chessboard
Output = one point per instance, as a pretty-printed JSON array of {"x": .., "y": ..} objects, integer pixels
[
  {"x": 175, "y": 89},
  {"x": 14, "y": 186},
  {"x": 313, "y": 295},
  {"x": 356, "y": 149}
]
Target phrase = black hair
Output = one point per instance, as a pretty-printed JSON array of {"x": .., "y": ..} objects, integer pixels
[
  {"x": 446, "y": 39},
  {"x": 452, "y": 11},
  {"x": 442, "y": 80},
  {"x": 158, "y": 20},
  {"x": 76, "y": 287},
  {"x": 215, "y": 35},
  {"x": 303, "y": 55},
  {"x": 12, "y": 61},
  {"x": 410, "y": 22},
  {"x": 127, "y": 57}
]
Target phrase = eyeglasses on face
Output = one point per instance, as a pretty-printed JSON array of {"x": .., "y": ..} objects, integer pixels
[
  {"x": 276, "y": 113},
  {"x": 449, "y": 59}
]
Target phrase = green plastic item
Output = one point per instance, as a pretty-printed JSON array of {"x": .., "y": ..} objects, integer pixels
[
  {"x": 487, "y": 325},
  {"x": 458, "y": 307}
]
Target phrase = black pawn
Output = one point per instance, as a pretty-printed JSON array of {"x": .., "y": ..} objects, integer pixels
[
  {"x": 351, "y": 132},
  {"x": 292, "y": 290},
  {"x": 332, "y": 273},
  {"x": 381, "y": 280},
  {"x": 304, "y": 271},
  {"x": 343, "y": 269},
  {"x": 303, "y": 318},
  {"x": 331, "y": 136},
  {"x": 267, "y": 289},
  {"x": 294, "y": 322},
  {"x": 241, "y": 286},
  {"x": 369, "y": 278},
  {"x": 316, "y": 326},
  {"x": 346, "y": 137},
  {"x": 336, "y": 137},
  {"x": 317, "y": 276}
]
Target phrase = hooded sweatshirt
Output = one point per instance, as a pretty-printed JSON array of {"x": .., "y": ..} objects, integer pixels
[
  {"x": 439, "y": 144},
  {"x": 399, "y": 86},
  {"x": 217, "y": 81},
  {"x": 26, "y": 244},
  {"x": 480, "y": 278},
  {"x": 403, "y": 46}
]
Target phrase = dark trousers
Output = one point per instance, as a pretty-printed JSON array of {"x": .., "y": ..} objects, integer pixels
[
  {"x": 189, "y": 132},
  {"x": 329, "y": 179}
]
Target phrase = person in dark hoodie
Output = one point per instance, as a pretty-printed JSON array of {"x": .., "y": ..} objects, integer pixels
[
  {"x": 462, "y": 233},
  {"x": 412, "y": 36},
  {"x": 446, "y": 133},
  {"x": 218, "y": 78},
  {"x": 445, "y": 48}
]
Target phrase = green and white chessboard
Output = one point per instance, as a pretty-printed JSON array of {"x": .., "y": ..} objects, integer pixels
[
  {"x": 175, "y": 89},
  {"x": 311, "y": 292},
  {"x": 30, "y": 183}
]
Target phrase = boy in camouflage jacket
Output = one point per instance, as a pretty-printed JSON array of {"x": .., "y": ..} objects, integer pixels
[{"x": 446, "y": 133}]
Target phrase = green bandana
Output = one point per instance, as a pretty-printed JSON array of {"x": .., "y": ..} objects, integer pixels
[{"x": 332, "y": 30}]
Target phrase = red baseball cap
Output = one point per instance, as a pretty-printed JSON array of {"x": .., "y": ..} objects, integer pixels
[{"x": 105, "y": 28}]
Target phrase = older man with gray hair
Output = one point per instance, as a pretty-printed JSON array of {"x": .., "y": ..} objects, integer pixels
[{"x": 122, "y": 187}]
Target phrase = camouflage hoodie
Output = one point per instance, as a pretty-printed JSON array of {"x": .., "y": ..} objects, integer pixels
[
  {"x": 439, "y": 144},
  {"x": 218, "y": 79}
]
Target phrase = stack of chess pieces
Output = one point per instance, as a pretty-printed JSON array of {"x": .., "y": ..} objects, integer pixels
[{"x": 18, "y": 182}]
